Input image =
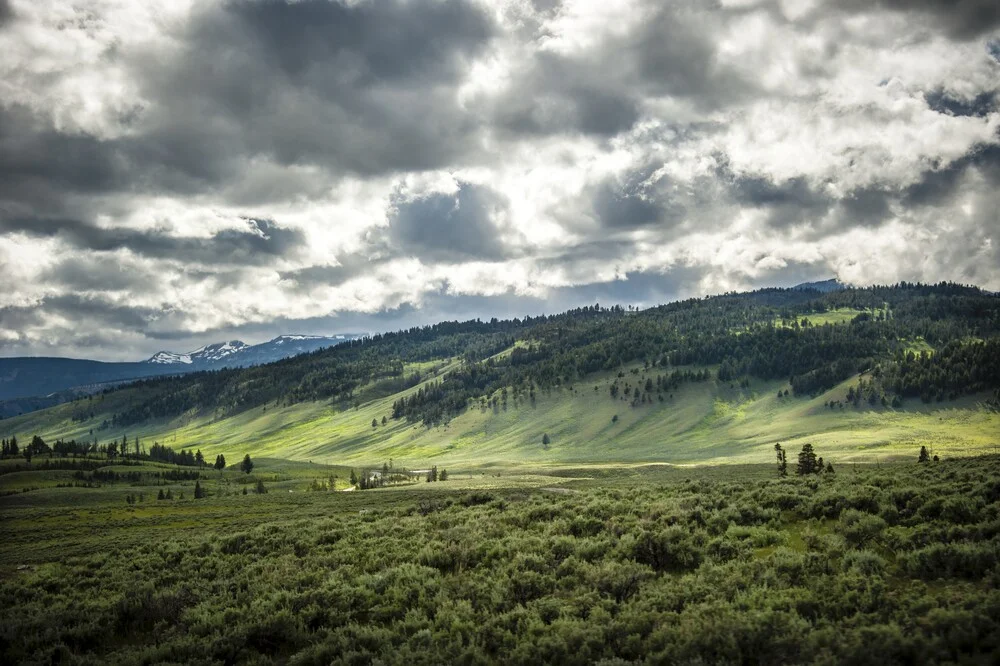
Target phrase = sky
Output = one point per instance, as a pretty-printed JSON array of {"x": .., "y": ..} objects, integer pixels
[{"x": 175, "y": 173}]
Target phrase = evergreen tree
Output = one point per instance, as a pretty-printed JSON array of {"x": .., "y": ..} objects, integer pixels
[
  {"x": 829, "y": 468},
  {"x": 444, "y": 475},
  {"x": 160, "y": 495},
  {"x": 247, "y": 465},
  {"x": 546, "y": 440},
  {"x": 782, "y": 459},
  {"x": 261, "y": 490},
  {"x": 220, "y": 462},
  {"x": 374, "y": 423},
  {"x": 354, "y": 478},
  {"x": 807, "y": 461},
  {"x": 199, "y": 459},
  {"x": 819, "y": 465},
  {"x": 434, "y": 473},
  {"x": 924, "y": 455},
  {"x": 198, "y": 492}
]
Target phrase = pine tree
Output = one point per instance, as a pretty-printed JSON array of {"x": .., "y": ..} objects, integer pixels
[
  {"x": 354, "y": 478},
  {"x": 247, "y": 464},
  {"x": 220, "y": 462},
  {"x": 782, "y": 459},
  {"x": 198, "y": 492},
  {"x": 924, "y": 455},
  {"x": 444, "y": 475},
  {"x": 545, "y": 440},
  {"x": 819, "y": 465},
  {"x": 374, "y": 423},
  {"x": 807, "y": 461},
  {"x": 261, "y": 490},
  {"x": 199, "y": 459}
]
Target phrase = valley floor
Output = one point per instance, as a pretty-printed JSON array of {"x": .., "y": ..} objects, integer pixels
[{"x": 889, "y": 563}]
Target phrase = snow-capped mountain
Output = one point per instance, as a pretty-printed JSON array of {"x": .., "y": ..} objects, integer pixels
[
  {"x": 207, "y": 354},
  {"x": 238, "y": 353}
]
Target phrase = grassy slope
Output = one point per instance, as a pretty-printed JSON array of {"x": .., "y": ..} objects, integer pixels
[{"x": 703, "y": 423}]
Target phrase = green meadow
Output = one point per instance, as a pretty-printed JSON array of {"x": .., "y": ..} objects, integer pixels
[{"x": 707, "y": 422}]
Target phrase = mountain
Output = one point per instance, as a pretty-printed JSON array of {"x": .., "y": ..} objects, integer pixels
[
  {"x": 856, "y": 373},
  {"x": 237, "y": 353},
  {"x": 823, "y": 286},
  {"x": 52, "y": 380},
  {"x": 29, "y": 376}
]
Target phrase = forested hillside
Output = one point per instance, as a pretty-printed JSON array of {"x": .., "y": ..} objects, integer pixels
[{"x": 767, "y": 334}]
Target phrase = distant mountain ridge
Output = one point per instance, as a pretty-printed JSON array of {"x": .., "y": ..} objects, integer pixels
[
  {"x": 51, "y": 380},
  {"x": 236, "y": 353},
  {"x": 823, "y": 286}
]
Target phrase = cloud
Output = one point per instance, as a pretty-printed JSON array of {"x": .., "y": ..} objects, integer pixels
[
  {"x": 449, "y": 227},
  {"x": 259, "y": 242},
  {"x": 189, "y": 171},
  {"x": 961, "y": 19}
]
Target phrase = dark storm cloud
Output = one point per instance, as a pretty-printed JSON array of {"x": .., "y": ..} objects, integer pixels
[
  {"x": 30, "y": 173},
  {"x": 567, "y": 95},
  {"x": 97, "y": 274},
  {"x": 448, "y": 227},
  {"x": 89, "y": 312},
  {"x": 866, "y": 206},
  {"x": 381, "y": 41},
  {"x": 6, "y": 13},
  {"x": 259, "y": 243},
  {"x": 979, "y": 106},
  {"x": 364, "y": 87},
  {"x": 601, "y": 90},
  {"x": 937, "y": 186},
  {"x": 636, "y": 203},
  {"x": 960, "y": 19},
  {"x": 348, "y": 266},
  {"x": 789, "y": 202}
]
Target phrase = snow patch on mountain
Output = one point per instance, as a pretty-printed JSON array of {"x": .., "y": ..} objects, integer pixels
[
  {"x": 239, "y": 353},
  {"x": 165, "y": 358}
]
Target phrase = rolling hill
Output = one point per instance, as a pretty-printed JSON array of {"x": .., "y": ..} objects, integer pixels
[{"x": 859, "y": 373}]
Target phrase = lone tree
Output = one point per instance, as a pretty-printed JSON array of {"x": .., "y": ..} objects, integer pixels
[
  {"x": 807, "y": 461},
  {"x": 924, "y": 455},
  {"x": 261, "y": 490},
  {"x": 374, "y": 423},
  {"x": 198, "y": 492},
  {"x": 220, "y": 462},
  {"x": 782, "y": 459},
  {"x": 247, "y": 464},
  {"x": 545, "y": 440}
]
